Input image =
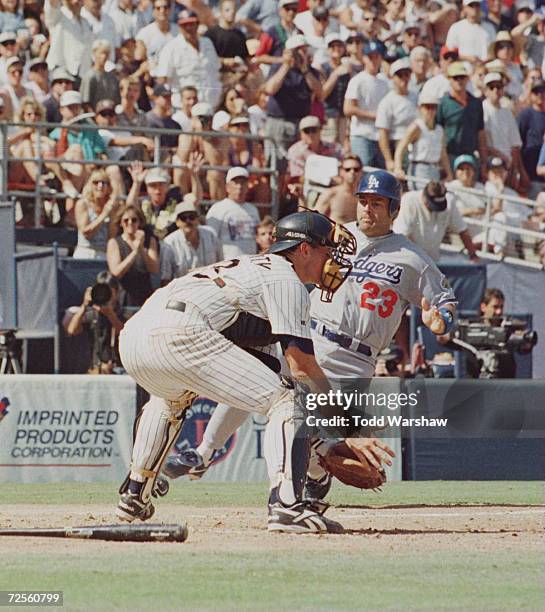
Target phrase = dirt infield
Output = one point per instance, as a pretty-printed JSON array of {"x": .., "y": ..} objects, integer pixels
[{"x": 232, "y": 529}]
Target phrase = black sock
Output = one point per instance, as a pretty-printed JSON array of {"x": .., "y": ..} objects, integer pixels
[{"x": 135, "y": 487}]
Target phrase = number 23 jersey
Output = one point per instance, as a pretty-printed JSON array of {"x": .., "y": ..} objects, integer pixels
[{"x": 390, "y": 272}]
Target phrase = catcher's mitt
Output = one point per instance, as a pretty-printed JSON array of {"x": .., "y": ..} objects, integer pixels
[{"x": 341, "y": 462}]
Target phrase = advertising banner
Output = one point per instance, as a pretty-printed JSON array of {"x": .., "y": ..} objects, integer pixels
[{"x": 65, "y": 428}]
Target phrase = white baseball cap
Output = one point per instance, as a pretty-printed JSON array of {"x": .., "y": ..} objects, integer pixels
[
  {"x": 70, "y": 97},
  {"x": 468, "y": 2},
  {"x": 185, "y": 206},
  {"x": 221, "y": 120},
  {"x": 202, "y": 109},
  {"x": 310, "y": 121},
  {"x": 427, "y": 98},
  {"x": 236, "y": 172},
  {"x": 156, "y": 175},
  {"x": 401, "y": 64},
  {"x": 296, "y": 41},
  {"x": 493, "y": 77},
  {"x": 333, "y": 37},
  {"x": 14, "y": 60}
]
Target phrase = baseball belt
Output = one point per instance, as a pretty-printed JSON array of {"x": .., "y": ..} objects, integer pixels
[{"x": 346, "y": 342}]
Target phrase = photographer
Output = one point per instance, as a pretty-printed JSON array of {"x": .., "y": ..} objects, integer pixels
[
  {"x": 492, "y": 306},
  {"x": 99, "y": 317}
]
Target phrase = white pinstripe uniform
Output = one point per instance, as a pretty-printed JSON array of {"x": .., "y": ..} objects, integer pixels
[{"x": 169, "y": 352}]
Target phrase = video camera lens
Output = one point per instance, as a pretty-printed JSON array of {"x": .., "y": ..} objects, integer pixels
[{"x": 101, "y": 294}]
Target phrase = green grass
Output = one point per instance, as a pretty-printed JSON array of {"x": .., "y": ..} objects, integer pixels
[{"x": 253, "y": 494}]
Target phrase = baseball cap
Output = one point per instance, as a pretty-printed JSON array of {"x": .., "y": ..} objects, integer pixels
[
  {"x": 525, "y": 6},
  {"x": 104, "y": 105},
  {"x": 457, "y": 69},
  {"x": 497, "y": 66},
  {"x": 493, "y": 77},
  {"x": 162, "y": 90},
  {"x": 70, "y": 97},
  {"x": 464, "y": 159},
  {"x": 240, "y": 120},
  {"x": 202, "y": 109},
  {"x": 411, "y": 25},
  {"x": 496, "y": 162},
  {"x": 333, "y": 37},
  {"x": 427, "y": 98},
  {"x": 310, "y": 121},
  {"x": 7, "y": 37},
  {"x": 296, "y": 41},
  {"x": 355, "y": 36},
  {"x": 283, "y": 3},
  {"x": 184, "y": 207},
  {"x": 236, "y": 172},
  {"x": 468, "y": 2},
  {"x": 449, "y": 51},
  {"x": 538, "y": 86},
  {"x": 401, "y": 64},
  {"x": 156, "y": 175},
  {"x": 14, "y": 60},
  {"x": 374, "y": 46},
  {"x": 319, "y": 12},
  {"x": 221, "y": 119},
  {"x": 37, "y": 61},
  {"x": 187, "y": 16},
  {"x": 61, "y": 74},
  {"x": 435, "y": 194}
]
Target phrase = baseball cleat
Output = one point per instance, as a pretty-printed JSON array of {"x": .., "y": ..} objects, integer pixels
[
  {"x": 186, "y": 462},
  {"x": 131, "y": 507},
  {"x": 302, "y": 517},
  {"x": 318, "y": 489},
  {"x": 161, "y": 487}
]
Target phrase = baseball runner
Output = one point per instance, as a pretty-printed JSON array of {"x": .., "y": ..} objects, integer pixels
[
  {"x": 174, "y": 348},
  {"x": 389, "y": 273}
]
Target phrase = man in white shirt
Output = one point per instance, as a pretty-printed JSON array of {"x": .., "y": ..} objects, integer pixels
[
  {"x": 364, "y": 92},
  {"x": 191, "y": 246},
  {"x": 233, "y": 219},
  {"x": 127, "y": 18},
  {"x": 426, "y": 215},
  {"x": 468, "y": 35},
  {"x": 188, "y": 97},
  {"x": 190, "y": 59},
  {"x": 102, "y": 24},
  {"x": 396, "y": 111},
  {"x": 153, "y": 37}
]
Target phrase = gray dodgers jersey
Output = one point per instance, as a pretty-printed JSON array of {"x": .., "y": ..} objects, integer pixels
[{"x": 389, "y": 273}]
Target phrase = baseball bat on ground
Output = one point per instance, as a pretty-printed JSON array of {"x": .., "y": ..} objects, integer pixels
[{"x": 118, "y": 533}]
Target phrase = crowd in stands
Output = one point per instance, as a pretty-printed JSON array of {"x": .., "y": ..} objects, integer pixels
[{"x": 446, "y": 95}]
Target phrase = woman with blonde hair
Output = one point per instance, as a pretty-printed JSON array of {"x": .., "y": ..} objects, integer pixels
[
  {"x": 94, "y": 218},
  {"x": 133, "y": 255}
]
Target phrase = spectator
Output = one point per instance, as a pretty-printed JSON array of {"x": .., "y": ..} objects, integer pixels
[
  {"x": 190, "y": 59},
  {"x": 133, "y": 256},
  {"x": 364, "y": 92},
  {"x": 309, "y": 143},
  {"x": 101, "y": 322},
  {"x": 354, "y": 51},
  {"x": 531, "y": 124},
  {"x": 502, "y": 133},
  {"x": 229, "y": 43},
  {"x": 476, "y": 85},
  {"x": 427, "y": 141},
  {"x": 468, "y": 205},
  {"x": 128, "y": 113},
  {"x": 336, "y": 72},
  {"x": 426, "y": 215},
  {"x": 439, "y": 85},
  {"x": 231, "y": 104},
  {"x": 152, "y": 38},
  {"x": 11, "y": 16},
  {"x": 61, "y": 81},
  {"x": 441, "y": 15},
  {"x": 97, "y": 84},
  {"x": 128, "y": 19},
  {"x": 395, "y": 111},
  {"x": 306, "y": 20},
  {"x": 161, "y": 115},
  {"x": 188, "y": 98},
  {"x": 393, "y": 18},
  {"x": 420, "y": 65},
  {"x": 273, "y": 40},
  {"x": 102, "y": 24},
  {"x": 495, "y": 20},
  {"x": 461, "y": 116},
  {"x": 316, "y": 35},
  {"x": 411, "y": 39},
  {"x": 503, "y": 49},
  {"x": 339, "y": 202},
  {"x": 190, "y": 246},
  {"x": 291, "y": 87},
  {"x": 240, "y": 151},
  {"x": 533, "y": 41},
  {"x": 468, "y": 35},
  {"x": 94, "y": 217},
  {"x": 258, "y": 15},
  {"x": 359, "y": 17},
  {"x": 8, "y": 49},
  {"x": 264, "y": 234},
  {"x": 70, "y": 36},
  {"x": 258, "y": 113},
  {"x": 233, "y": 219},
  {"x": 524, "y": 101},
  {"x": 38, "y": 79},
  {"x": 14, "y": 91}
]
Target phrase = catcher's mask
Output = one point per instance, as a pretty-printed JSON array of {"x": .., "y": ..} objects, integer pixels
[{"x": 318, "y": 230}]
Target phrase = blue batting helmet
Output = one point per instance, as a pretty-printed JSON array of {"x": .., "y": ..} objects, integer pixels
[{"x": 384, "y": 184}]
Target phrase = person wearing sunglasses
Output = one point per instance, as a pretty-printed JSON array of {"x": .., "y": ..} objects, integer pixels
[
  {"x": 61, "y": 81},
  {"x": 151, "y": 39},
  {"x": 272, "y": 40},
  {"x": 190, "y": 246},
  {"x": 503, "y": 50},
  {"x": 339, "y": 202}
]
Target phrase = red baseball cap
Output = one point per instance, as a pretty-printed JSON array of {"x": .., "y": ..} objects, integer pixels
[{"x": 448, "y": 50}]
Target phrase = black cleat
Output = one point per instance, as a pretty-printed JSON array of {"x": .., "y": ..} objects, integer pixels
[
  {"x": 131, "y": 507},
  {"x": 302, "y": 517},
  {"x": 161, "y": 487},
  {"x": 318, "y": 489},
  {"x": 187, "y": 462}
]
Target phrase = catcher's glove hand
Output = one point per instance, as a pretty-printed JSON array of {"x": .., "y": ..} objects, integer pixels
[{"x": 357, "y": 462}]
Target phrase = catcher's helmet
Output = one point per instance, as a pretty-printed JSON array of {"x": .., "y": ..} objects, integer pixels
[
  {"x": 384, "y": 184},
  {"x": 318, "y": 230}
]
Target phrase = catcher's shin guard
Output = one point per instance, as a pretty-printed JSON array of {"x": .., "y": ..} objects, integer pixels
[{"x": 157, "y": 428}]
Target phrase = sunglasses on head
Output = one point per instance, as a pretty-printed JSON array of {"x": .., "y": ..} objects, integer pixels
[{"x": 189, "y": 216}]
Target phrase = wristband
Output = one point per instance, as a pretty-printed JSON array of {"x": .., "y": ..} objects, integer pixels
[{"x": 448, "y": 319}]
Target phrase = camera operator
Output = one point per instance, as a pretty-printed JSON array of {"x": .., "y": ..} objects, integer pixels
[
  {"x": 99, "y": 316},
  {"x": 492, "y": 306}
]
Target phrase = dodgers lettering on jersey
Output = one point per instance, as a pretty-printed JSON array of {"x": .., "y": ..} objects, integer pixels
[
  {"x": 389, "y": 273},
  {"x": 263, "y": 285}
]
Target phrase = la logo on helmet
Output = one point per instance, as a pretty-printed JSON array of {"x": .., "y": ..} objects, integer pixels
[{"x": 373, "y": 182}]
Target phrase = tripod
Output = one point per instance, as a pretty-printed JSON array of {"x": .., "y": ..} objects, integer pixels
[{"x": 9, "y": 364}]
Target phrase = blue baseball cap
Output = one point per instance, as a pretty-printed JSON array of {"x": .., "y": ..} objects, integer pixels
[
  {"x": 374, "y": 46},
  {"x": 464, "y": 159}
]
